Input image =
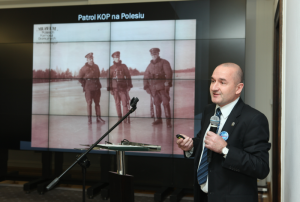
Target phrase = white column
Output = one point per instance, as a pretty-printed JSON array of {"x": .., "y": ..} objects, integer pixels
[
  {"x": 290, "y": 142},
  {"x": 259, "y": 59}
]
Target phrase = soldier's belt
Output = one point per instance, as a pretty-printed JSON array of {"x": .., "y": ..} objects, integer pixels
[{"x": 158, "y": 76}]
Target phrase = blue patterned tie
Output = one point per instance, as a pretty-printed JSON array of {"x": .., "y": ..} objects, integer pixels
[{"x": 203, "y": 167}]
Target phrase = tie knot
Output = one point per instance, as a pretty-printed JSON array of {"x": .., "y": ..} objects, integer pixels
[{"x": 218, "y": 112}]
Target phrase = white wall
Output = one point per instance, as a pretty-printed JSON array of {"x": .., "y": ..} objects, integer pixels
[
  {"x": 259, "y": 59},
  {"x": 290, "y": 163}
]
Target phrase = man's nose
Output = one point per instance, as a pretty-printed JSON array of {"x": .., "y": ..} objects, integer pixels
[{"x": 215, "y": 86}]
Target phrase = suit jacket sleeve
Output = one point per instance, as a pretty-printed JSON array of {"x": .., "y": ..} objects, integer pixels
[
  {"x": 197, "y": 140},
  {"x": 253, "y": 158}
]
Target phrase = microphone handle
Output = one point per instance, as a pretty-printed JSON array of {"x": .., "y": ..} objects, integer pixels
[{"x": 213, "y": 128}]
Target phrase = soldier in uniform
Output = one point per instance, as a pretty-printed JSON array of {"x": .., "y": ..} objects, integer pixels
[
  {"x": 157, "y": 83},
  {"x": 119, "y": 84},
  {"x": 89, "y": 78}
]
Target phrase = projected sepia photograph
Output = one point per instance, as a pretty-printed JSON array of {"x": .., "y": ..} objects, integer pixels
[
  {"x": 91, "y": 83},
  {"x": 79, "y": 78},
  {"x": 150, "y": 70},
  {"x": 40, "y": 78},
  {"x": 68, "y": 132},
  {"x": 39, "y": 130}
]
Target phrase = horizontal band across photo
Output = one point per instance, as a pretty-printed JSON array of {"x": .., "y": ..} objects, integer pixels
[
  {"x": 70, "y": 132},
  {"x": 68, "y": 97},
  {"x": 115, "y": 31},
  {"x": 65, "y": 60}
]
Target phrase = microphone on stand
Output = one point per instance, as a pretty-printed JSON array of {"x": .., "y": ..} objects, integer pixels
[
  {"x": 214, "y": 121},
  {"x": 134, "y": 101}
]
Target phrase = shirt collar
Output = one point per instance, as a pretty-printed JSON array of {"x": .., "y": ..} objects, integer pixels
[{"x": 226, "y": 110}]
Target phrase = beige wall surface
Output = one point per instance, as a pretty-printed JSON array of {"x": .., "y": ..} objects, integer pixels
[
  {"x": 259, "y": 59},
  {"x": 275, "y": 3}
]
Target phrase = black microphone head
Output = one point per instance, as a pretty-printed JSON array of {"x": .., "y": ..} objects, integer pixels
[
  {"x": 214, "y": 120},
  {"x": 134, "y": 101}
]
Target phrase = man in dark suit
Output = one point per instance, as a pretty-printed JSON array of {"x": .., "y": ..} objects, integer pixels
[{"x": 239, "y": 148}]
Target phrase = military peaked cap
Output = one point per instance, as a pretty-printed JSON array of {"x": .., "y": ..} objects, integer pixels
[
  {"x": 116, "y": 54},
  {"x": 154, "y": 50},
  {"x": 89, "y": 55}
]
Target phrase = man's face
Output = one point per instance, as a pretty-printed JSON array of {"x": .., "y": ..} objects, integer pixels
[
  {"x": 90, "y": 61},
  {"x": 116, "y": 59},
  {"x": 224, "y": 86},
  {"x": 154, "y": 56}
]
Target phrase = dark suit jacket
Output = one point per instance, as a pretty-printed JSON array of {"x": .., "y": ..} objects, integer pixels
[{"x": 234, "y": 178}]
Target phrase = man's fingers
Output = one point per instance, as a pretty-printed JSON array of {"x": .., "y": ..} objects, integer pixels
[
  {"x": 208, "y": 147},
  {"x": 187, "y": 139},
  {"x": 206, "y": 141},
  {"x": 210, "y": 133},
  {"x": 179, "y": 141},
  {"x": 211, "y": 136},
  {"x": 185, "y": 144},
  {"x": 188, "y": 143}
]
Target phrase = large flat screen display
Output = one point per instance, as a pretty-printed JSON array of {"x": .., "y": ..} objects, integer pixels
[
  {"x": 84, "y": 75},
  {"x": 68, "y": 72}
]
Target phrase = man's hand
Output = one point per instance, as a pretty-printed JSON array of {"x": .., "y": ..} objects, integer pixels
[
  {"x": 148, "y": 91},
  {"x": 214, "y": 142},
  {"x": 167, "y": 89},
  {"x": 185, "y": 144}
]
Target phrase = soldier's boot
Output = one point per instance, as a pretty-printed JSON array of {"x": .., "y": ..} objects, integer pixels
[
  {"x": 152, "y": 110},
  {"x": 167, "y": 109},
  {"x": 89, "y": 113},
  {"x": 98, "y": 114},
  {"x": 118, "y": 108},
  {"x": 125, "y": 111},
  {"x": 158, "y": 115}
]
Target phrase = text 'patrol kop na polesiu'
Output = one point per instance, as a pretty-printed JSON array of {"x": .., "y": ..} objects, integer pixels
[{"x": 107, "y": 16}]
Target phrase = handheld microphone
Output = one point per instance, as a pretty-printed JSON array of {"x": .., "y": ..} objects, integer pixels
[{"x": 214, "y": 121}]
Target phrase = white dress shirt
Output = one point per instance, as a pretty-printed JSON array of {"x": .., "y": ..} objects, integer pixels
[{"x": 225, "y": 110}]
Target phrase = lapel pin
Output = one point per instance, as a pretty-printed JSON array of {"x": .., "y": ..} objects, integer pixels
[
  {"x": 232, "y": 124},
  {"x": 224, "y": 135}
]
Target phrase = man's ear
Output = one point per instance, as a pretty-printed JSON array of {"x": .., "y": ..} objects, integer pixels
[{"x": 239, "y": 88}]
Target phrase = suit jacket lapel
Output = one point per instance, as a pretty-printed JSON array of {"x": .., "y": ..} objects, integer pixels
[
  {"x": 206, "y": 119},
  {"x": 233, "y": 117}
]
